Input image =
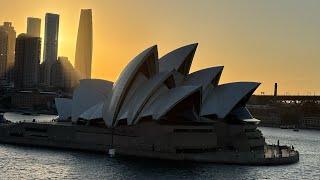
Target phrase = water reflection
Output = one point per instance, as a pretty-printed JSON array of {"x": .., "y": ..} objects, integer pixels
[{"x": 40, "y": 163}]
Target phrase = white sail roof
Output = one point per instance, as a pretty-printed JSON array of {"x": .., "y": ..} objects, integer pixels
[
  {"x": 95, "y": 112},
  {"x": 147, "y": 63},
  {"x": 163, "y": 89},
  {"x": 165, "y": 102},
  {"x": 89, "y": 93},
  {"x": 143, "y": 94},
  {"x": 204, "y": 77},
  {"x": 139, "y": 82},
  {"x": 243, "y": 114},
  {"x": 178, "y": 78},
  {"x": 223, "y": 98},
  {"x": 64, "y": 107},
  {"x": 179, "y": 59},
  {"x": 154, "y": 87}
]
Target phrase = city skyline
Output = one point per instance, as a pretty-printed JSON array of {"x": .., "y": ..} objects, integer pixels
[{"x": 278, "y": 44}]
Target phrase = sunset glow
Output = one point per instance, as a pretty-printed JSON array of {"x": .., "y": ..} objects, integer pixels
[{"x": 269, "y": 41}]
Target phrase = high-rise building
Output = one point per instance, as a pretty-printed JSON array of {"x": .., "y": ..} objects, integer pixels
[
  {"x": 33, "y": 26},
  {"x": 7, "y": 47},
  {"x": 50, "y": 44},
  {"x": 42, "y": 75},
  {"x": 27, "y": 60},
  {"x": 83, "y": 57},
  {"x": 63, "y": 74}
]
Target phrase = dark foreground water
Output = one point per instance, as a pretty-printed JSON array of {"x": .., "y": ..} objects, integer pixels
[{"x": 41, "y": 163}]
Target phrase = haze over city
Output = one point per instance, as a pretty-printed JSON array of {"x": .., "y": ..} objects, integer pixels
[{"x": 270, "y": 41}]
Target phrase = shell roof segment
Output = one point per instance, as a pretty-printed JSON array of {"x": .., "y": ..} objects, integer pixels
[
  {"x": 165, "y": 102},
  {"x": 89, "y": 93},
  {"x": 179, "y": 59},
  {"x": 204, "y": 77},
  {"x": 146, "y": 63},
  {"x": 223, "y": 98},
  {"x": 64, "y": 107}
]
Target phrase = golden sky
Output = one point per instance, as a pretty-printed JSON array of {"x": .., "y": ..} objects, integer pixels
[{"x": 265, "y": 41}]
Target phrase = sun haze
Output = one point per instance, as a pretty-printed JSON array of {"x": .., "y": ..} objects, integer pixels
[{"x": 265, "y": 41}]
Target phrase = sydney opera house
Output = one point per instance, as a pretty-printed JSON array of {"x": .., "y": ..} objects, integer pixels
[
  {"x": 158, "y": 109},
  {"x": 160, "y": 91}
]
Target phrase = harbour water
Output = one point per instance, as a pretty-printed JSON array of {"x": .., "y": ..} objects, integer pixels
[{"x": 18, "y": 162}]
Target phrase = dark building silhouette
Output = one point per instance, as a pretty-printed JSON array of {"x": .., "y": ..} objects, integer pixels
[
  {"x": 33, "y": 100},
  {"x": 33, "y": 26},
  {"x": 50, "y": 44},
  {"x": 63, "y": 74},
  {"x": 83, "y": 57},
  {"x": 27, "y": 59},
  {"x": 41, "y": 75},
  {"x": 7, "y": 46}
]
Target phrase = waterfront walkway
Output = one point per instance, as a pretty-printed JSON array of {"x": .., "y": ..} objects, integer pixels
[{"x": 276, "y": 151}]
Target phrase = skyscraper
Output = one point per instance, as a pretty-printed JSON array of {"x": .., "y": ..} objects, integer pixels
[
  {"x": 33, "y": 27},
  {"x": 50, "y": 44},
  {"x": 27, "y": 59},
  {"x": 7, "y": 46},
  {"x": 63, "y": 74},
  {"x": 83, "y": 57}
]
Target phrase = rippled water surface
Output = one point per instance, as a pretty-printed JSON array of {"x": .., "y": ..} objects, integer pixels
[{"x": 40, "y": 163}]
